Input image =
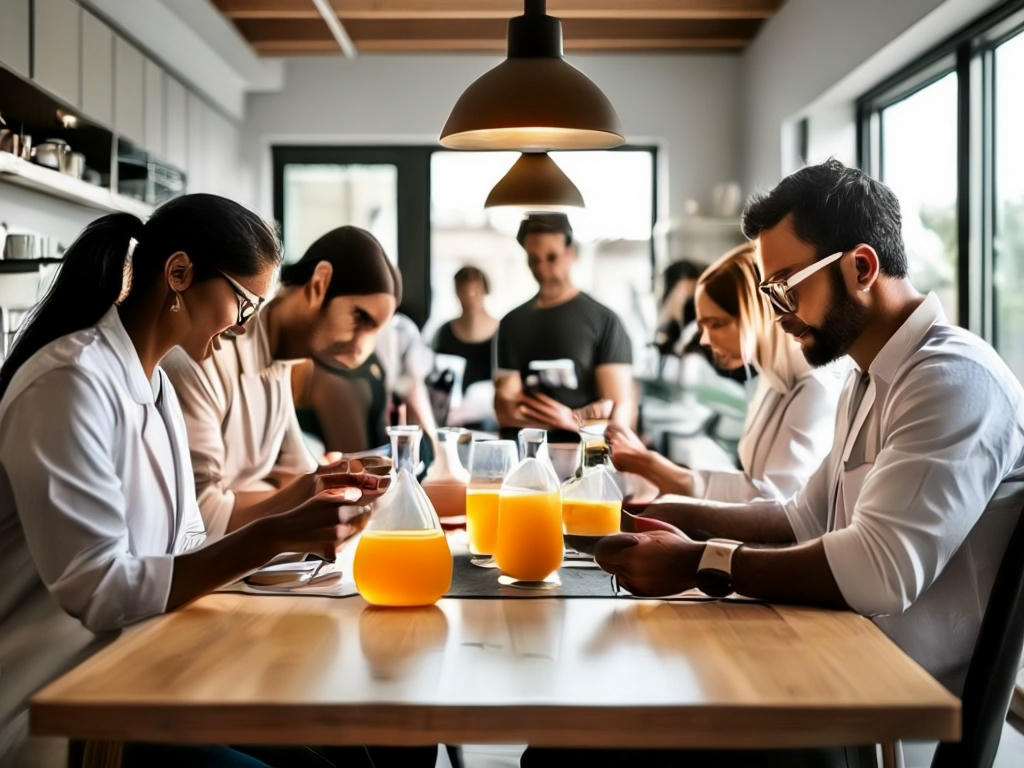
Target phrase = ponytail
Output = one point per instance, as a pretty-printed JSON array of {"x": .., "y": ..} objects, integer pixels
[
  {"x": 88, "y": 283},
  {"x": 216, "y": 233}
]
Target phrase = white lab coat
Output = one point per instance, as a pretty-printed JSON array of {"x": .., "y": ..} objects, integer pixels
[
  {"x": 787, "y": 433},
  {"x": 96, "y": 496}
]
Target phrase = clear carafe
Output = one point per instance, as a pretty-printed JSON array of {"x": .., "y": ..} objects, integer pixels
[
  {"x": 446, "y": 480},
  {"x": 490, "y": 462},
  {"x": 592, "y": 501},
  {"x": 528, "y": 547},
  {"x": 403, "y": 557}
]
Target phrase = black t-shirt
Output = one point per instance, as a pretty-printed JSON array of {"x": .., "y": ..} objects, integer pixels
[
  {"x": 478, "y": 354},
  {"x": 581, "y": 330}
]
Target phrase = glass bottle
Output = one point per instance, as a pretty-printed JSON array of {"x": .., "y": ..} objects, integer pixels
[
  {"x": 446, "y": 480},
  {"x": 403, "y": 557},
  {"x": 490, "y": 462},
  {"x": 592, "y": 501},
  {"x": 529, "y": 541}
]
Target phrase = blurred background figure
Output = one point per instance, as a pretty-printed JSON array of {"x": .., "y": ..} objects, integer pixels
[
  {"x": 676, "y": 311},
  {"x": 465, "y": 345}
]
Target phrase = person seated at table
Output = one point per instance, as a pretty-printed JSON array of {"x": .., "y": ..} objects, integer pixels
[
  {"x": 245, "y": 440},
  {"x": 97, "y": 503},
  {"x": 908, "y": 517},
  {"x": 791, "y": 417}
]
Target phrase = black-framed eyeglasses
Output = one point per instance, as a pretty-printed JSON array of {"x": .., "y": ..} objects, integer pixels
[
  {"x": 780, "y": 292},
  {"x": 248, "y": 303}
]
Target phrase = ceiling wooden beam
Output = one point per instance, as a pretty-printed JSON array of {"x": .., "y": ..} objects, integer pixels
[{"x": 502, "y": 9}]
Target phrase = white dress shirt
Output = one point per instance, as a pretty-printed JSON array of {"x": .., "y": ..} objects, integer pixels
[
  {"x": 916, "y": 502},
  {"x": 787, "y": 433},
  {"x": 241, "y": 420},
  {"x": 96, "y": 496}
]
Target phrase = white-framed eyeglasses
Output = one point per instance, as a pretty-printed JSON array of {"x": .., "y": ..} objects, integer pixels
[{"x": 780, "y": 292}]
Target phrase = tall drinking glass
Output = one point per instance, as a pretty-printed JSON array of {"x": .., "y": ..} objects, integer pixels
[{"x": 490, "y": 461}]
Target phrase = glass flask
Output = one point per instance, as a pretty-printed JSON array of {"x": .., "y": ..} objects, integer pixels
[
  {"x": 403, "y": 557},
  {"x": 528, "y": 547},
  {"x": 592, "y": 501},
  {"x": 446, "y": 480},
  {"x": 490, "y": 461}
]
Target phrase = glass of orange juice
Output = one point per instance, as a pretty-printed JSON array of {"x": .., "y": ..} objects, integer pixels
[
  {"x": 490, "y": 461},
  {"x": 528, "y": 546},
  {"x": 591, "y": 502},
  {"x": 403, "y": 557}
]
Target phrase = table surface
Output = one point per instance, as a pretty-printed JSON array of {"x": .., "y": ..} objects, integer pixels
[{"x": 232, "y": 668}]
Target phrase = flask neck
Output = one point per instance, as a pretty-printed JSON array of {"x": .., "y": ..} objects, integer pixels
[
  {"x": 405, "y": 447},
  {"x": 533, "y": 443}
]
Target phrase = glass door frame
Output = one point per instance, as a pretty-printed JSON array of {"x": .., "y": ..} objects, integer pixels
[{"x": 413, "y": 189}]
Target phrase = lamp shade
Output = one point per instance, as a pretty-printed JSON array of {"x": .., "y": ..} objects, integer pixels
[
  {"x": 536, "y": 182},
  {"x": 534, "y": 100}
]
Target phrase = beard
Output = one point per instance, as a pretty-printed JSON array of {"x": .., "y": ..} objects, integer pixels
[{"x": 844, "y": 322}]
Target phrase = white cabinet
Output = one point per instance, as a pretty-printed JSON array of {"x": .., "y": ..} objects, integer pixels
[
  {"x": 175, "y": 123},
  {"x": 56, "y": 50},
  {"x": 15, "y": 34},
  {"x": 154, "y": 110},
  {"x": 129, "y": 76},
  {"x": 97, "y": 69},
  {"x": 197, "y": 167}
]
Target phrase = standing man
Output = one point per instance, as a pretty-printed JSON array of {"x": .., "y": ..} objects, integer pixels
[
  {"x": 562, "y": 356},
  {"x": 247, "y": 450}
]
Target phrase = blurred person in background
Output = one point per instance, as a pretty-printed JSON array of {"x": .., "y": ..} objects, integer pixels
[{"x": 562, "y": 357}]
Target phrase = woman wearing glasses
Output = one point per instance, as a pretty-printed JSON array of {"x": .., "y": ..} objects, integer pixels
[
  {"x": 248, "y": 453},
  {"x": 791, "y": 417},
  {"x": 99, "y": 525}
]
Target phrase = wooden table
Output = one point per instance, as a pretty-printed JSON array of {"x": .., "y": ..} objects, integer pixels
[{"x": 236, "y": 668}]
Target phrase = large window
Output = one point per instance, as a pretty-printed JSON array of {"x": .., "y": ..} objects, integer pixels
[
  {"x": 1008, "y": 243},
  {"x": 944, "y": 134}
]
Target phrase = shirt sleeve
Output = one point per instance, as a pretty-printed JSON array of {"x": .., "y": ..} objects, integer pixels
[
  {"x": 56, "y": 446},
  {"x": 614, "y": 345},
  {"x": 949, "y": 432},
  {"x": 203, "y": 417},
  {"x": 507, "y": 356}
]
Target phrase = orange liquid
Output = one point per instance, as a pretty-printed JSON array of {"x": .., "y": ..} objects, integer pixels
[
  {"x": 449, "y": 499},
  {"x": 482, "y": 521},
  {"x": 403, "y": 567},
  {"x": 591, "y": 518},
  {"x": 529, "y": 543}
]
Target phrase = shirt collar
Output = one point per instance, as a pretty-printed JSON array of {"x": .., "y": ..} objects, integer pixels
[
  {"x": 907, "y": 338},
  {"x": 112, "y": 329}
]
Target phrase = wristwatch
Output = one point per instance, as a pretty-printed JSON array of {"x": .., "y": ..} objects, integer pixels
[{"x": 714, "y": 572}]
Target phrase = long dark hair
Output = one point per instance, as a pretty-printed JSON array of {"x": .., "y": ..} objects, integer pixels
[{"x": 215, "y": 232}]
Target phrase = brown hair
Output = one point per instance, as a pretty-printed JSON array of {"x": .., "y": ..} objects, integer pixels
[{"x": 468, "y": 274}]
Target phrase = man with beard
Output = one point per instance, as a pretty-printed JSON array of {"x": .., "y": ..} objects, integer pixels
[
  {"x": 246, "y": 446},
  {"x": 907, "y": 519}
]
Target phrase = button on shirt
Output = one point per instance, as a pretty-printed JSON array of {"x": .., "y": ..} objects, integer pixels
[
  {"x": 241, "y": 420},
  {"x": 917, "y": 500}
]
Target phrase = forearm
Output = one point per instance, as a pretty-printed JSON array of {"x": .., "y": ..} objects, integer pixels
[
  {"x": 253, "y": 505},
  {"x": 763, "y": 522},
  {"x": 203, "y": 570},
  {"x": 797, "y": 574},
  {"x": 664, "y": 473}
]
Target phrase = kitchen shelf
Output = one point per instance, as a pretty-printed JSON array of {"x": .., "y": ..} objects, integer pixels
[
  {"x": 15, "y": 170},
  {"x": 14, "y": 266}
]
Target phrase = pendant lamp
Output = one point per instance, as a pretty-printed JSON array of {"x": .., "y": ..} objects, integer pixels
[
  {"x": 536, "y": 182},
  {"x": 534, "y": 100}
]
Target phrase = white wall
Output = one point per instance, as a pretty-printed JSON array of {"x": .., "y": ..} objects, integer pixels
[
  {"x": 815, "y": 57},
  {"x": 688, "y": 103}
]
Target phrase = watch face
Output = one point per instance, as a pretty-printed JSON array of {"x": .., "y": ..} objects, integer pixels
[{"x": 713, "y": 582}]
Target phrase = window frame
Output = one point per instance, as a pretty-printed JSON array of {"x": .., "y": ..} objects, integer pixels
[{"x": 969, "y": 52}]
